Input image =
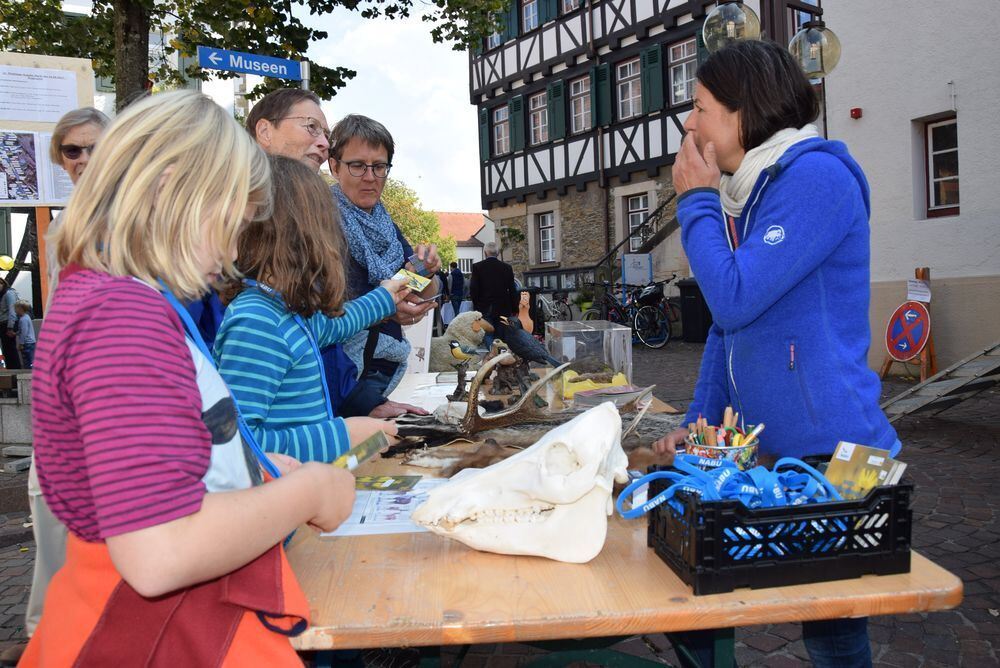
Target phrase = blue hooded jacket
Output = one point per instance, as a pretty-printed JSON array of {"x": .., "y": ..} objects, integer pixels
[{"x": 789, "y": 346}]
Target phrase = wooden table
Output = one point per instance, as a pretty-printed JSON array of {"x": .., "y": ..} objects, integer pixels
[{"x": 422, "y": 589}]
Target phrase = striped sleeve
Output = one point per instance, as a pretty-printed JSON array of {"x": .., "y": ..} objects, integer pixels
[
  {"x": 359, "y": 314},
  {"x": 255, "y": 358},
  {"x": 132, "y": 383}
]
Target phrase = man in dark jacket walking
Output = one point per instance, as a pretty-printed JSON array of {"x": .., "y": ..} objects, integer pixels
[
  {"x": 457, "y": 290},
  {"x": 492, "y": 289}
]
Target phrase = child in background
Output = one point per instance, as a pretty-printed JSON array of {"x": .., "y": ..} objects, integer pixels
[
  {"x": 291, "y": 306},
  {"x": 174, "y": 551},
  {"x": 25, "y": 334}
]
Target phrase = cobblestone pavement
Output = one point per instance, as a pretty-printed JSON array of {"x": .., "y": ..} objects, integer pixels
[{"x": 953, "y": 461}]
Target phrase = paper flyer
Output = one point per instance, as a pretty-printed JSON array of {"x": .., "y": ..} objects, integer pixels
[{"x": 377, "y": 513}]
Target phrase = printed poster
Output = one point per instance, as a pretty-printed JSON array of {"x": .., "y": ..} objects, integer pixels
[
  {"x": 28, "y": 176},
  {"x": 36, "y": 94}
]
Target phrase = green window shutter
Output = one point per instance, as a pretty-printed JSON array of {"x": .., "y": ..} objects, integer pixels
[
  {"x": 557, "y": 110},
  {"x": 600, "y": 94},
  {"x": 548, "y": 10},
  {"x": 515, "y": 108},
  {"x": 511, "y": 17},
  {"x": 651, "y": 66},
  {"x": 484, "y": 134}
]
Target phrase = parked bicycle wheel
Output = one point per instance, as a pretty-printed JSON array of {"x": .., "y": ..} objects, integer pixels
[
  {"x": 672, "y": 313},
  {"x": 562, "y": 311},
  {"x": 591, "y": 314},
  {"x": 651, "y": 327}
]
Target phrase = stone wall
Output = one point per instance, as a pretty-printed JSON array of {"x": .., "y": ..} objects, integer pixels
[{"x": 588, "y": 223}]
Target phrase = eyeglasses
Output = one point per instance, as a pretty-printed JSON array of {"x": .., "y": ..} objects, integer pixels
[
  {"x": 357, "y": 168},
  {"x": 72, "y": 151},
  {"x": 312, "y": 126}
]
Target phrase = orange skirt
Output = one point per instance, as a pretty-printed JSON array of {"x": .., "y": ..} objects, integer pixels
[{"x": 94, "y": 618}]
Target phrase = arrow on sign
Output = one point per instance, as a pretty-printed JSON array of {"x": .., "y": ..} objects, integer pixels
[
  {"x": 215, "y": 58},
  {"x": 902, "y": 345},
  {"x": 910, "y": 315}
]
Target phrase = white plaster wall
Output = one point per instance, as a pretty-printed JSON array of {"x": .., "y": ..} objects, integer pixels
[{"x": 898, "y": 59}]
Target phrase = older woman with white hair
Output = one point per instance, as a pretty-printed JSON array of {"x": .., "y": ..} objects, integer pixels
[{"x": 73, "y": 140}]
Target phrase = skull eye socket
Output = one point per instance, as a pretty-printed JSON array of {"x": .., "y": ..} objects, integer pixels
[{"x": 560, "y": 460}]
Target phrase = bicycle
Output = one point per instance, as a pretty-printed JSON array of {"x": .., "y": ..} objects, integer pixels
[
  {"x": 648, "y": 324},
  {"x": 557, "y": 308}
]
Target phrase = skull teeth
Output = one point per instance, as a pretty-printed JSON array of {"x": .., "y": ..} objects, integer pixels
[{"x": 530, "y": 515}]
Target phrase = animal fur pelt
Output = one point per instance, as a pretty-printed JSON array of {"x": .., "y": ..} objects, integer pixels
[{"x": 451, "y": 460}]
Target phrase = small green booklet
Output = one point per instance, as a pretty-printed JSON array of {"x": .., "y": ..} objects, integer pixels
[{"x": 387, "y": 483}]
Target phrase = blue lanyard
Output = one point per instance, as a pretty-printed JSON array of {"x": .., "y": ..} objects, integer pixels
[
  {"x": 275, "y": 295},
  {"x": 195, "y": 336},
  {"x": 791, "y": 483}
]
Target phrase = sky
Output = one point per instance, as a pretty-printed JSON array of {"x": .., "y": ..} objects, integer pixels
[{"x": 419, "y": 90}]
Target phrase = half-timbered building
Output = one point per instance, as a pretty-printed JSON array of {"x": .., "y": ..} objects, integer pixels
[{"x": 581, "y": 111}]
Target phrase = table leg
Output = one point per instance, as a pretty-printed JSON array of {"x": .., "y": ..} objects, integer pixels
[{"x": 723, "y": 650}]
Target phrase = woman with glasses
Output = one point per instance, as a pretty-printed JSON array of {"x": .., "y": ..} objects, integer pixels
[
  {"x": 290, "y": 123},
  {"x": 361, "y": 151},
  {"x": 73, "y": 140}
]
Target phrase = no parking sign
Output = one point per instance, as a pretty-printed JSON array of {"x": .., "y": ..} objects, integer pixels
[{"x": 908, "y": 330}]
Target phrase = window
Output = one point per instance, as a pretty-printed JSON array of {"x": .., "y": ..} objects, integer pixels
[
  {"x": 546, "y": 237},
  {"x": 942, "y": 168},
  {"x": 501, "y": 131},
  {"x": 529, "y": 15},
  {"x": 579, "y": 104},
  {"x": 538, "y": 116},
  {"x": 683, "y": 63},
  {"x": 636, "y": 207},
  {"x": 629, "y": 90},
  {"x": 465, "y": 265},
  {"x": 494, "y": 40},
  {"x": 566, "y": 6}
]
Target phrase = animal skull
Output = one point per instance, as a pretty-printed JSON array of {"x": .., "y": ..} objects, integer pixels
[{"x": 551, "y": 500}]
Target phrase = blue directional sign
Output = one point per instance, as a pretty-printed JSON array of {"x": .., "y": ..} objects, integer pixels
[{"x": 249, "y": 63}]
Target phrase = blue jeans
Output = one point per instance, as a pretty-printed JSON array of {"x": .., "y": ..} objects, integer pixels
[
  {"x": 840, "y": 643},
  {"x": 831, "y": 643},
  {"x": 27, "y": 355}
]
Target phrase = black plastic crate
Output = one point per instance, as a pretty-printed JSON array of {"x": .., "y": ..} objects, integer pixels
[{"x": 719, "y": 546}]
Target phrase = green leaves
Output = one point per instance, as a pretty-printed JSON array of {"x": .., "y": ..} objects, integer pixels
[
  {"x": 417, "y": 224},
  {"x": 267, "y": 28}
]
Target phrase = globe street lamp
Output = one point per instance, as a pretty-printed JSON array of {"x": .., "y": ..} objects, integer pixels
[{"x": 814, "y": 46}]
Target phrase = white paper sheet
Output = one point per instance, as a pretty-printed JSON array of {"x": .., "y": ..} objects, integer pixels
[
  {"x": 54, "y": 182},
  {"x": 36, "y": 94},
  {"x": 377, "y": 513}
]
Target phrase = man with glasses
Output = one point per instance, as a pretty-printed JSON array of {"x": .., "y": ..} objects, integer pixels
[{"x": 290, "y": 123}]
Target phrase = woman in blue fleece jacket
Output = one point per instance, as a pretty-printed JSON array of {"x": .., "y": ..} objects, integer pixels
[{"x": 774, "y": 221}]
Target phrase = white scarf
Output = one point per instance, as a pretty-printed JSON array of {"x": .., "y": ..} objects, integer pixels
[{"x": 735, "y": 189}]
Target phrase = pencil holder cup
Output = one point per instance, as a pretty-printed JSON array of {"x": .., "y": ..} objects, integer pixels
[{"x": 744, "y": 456}]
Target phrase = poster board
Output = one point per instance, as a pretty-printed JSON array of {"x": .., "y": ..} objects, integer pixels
[{"x": 35, "y": 91}]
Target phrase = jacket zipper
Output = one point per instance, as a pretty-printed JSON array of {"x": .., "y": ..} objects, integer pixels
[{"x": 733, "y": 244}]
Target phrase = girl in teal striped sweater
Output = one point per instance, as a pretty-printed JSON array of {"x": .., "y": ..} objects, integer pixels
[{"x": 291, "y": 305}]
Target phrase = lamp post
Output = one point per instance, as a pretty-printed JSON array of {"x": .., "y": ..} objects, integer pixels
[{"x": 814, "y": 46}]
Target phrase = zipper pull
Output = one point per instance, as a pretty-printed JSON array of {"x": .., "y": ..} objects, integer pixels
[{"x": 791, "y": 357}]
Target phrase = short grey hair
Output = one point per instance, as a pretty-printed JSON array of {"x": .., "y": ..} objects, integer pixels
[
  {"x": 490, "y": 249},
  {"x": 361, "y": 127},
  {"x": 74, "y": 119}
]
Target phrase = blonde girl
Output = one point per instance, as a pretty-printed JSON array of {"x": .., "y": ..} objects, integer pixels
[{"x": 174, "y": 553}]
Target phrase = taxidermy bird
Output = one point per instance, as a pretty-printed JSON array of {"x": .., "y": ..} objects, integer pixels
[
  {"x": 460, "y": 353},
  {"x": 524, "y": 345}
]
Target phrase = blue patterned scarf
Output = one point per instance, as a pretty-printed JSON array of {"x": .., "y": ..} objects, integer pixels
[{"x": 371, "y": 238}]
